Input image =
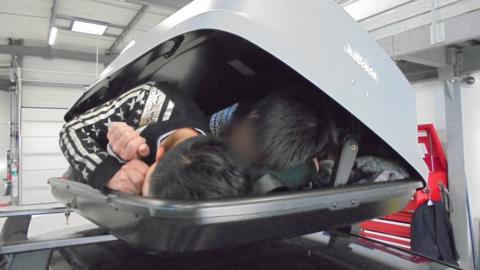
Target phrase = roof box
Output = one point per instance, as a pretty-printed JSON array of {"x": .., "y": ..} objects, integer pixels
[
  {"x": 221, "y": 51},
  {"x": 159, "y": 226}
]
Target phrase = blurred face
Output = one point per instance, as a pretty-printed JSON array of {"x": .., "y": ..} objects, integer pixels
[{"x": 242, "y": 141}]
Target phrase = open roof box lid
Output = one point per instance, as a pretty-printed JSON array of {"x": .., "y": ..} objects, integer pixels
[{"x": 221, "y": 51}]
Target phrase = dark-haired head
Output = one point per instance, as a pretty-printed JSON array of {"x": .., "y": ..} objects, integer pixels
[
  {"x": 283, "y": 130},
  {"x": 198, "y": 168}
]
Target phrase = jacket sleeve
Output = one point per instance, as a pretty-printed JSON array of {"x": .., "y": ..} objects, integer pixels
[{"x": 83, "y": 140}]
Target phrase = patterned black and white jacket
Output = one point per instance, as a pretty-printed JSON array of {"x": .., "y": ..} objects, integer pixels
[{"x": 154, "y": 109}]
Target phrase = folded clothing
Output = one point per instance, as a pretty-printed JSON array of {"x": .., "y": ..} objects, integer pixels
[{"x": 366, "y": 169}]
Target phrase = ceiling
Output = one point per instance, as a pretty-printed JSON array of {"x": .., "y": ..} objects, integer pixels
[
  {"x": 30, "y": 21},
  {"x": 33, "y": 17}
]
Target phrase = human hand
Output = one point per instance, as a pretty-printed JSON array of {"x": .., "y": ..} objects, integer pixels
[
  {"x": 126, "y": 142},
  {"x": 129, "y": 178}
]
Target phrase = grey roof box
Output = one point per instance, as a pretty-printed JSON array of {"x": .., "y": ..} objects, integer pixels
[{"x": 222, "y": 51}]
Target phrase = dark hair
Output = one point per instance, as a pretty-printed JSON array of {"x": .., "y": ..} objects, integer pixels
[
  {"x": 198, "y": 168},
  {"x": 289, "y": 130}
]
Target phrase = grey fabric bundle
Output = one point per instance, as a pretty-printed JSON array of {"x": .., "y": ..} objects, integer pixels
[{"x": 367, "y": 169}]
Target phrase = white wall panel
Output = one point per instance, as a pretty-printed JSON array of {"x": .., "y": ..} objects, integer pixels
[
  {"x": 60, "y": 70},
  {"x": 431, "y": 105},
  {"x": 47, "y": 115},
  {"x": 40, "y": 145},
  {"x": 42, "y": 118},
  {"x": 49, "y": 97},
  {"x": 40, "y": 129},
  {"x": 44, "y": 162},
  {"x": 39, "y": 178},
  {"x": 37, "y": 195},
  {"x": 471, "y": 134}
]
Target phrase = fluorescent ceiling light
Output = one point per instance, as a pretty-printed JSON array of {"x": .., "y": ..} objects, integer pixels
[
  {"x": 89, "y": 27},
  {"x": 52, "y": 36}
]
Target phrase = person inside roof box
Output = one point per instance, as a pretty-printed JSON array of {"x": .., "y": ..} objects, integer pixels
[{"x": 151, "y": 140}]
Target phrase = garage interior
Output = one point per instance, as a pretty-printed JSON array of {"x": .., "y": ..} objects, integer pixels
[{"x": 47, "y": 61}]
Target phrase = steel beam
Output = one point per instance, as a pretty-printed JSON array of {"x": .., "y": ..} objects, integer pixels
[
  {"x": 53, "y": 13},
  {"x": 168, "y": 3},
  {"x": 457, "y": 29},
  {"x": 127, "y": 29},
  {"x": 471, "y": 59},
  {"x": 417, "y": 72},
  {"x": 433, "y": 58},
  {"x": 55, "y": 83},
  {"x": 413, "y": 10},
  {"x": 361, "y": 10},
  {"x": 47, "y": 52}
]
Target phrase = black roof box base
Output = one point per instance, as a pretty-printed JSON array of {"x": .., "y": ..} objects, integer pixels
[{"x": 180, "y": 226}]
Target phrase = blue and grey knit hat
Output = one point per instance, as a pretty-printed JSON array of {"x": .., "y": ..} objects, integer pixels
[{"x": 220, "y": 120}]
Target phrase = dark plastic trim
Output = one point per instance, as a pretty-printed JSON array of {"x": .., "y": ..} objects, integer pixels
[{"x": 179, "y": 226}]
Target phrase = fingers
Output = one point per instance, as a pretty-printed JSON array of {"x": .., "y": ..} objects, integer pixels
[
  {"x": 138, "y": 165},
  {"x": 143, "y": 150},
  {"x": 114, "y": 129},
  {"x": 129, "y": 187},
  {"x": 120, "y": 182},
  {"x": 135, "y": 176},
  {"x": 115, "y": 133},
  {"x": 129, "y": 178},
  {"x": 126, "y": 136},
  {"x": 126, "y": 142},
  {"x": 136, "y": 171},
  {"x": 132, "y": 148}
]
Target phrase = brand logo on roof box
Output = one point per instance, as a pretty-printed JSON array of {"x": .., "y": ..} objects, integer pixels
[{"x": 362, "y": 61}]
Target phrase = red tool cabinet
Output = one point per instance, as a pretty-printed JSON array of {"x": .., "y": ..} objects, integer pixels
[{"x": 395, "y": 228}]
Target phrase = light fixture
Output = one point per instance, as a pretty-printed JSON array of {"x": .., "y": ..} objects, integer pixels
[
  {"x": 88, "y": 27},
  {"x": 52, "y": 35}
]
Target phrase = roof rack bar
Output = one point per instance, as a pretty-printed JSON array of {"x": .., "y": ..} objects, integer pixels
[
  {"x": 32, "y": 245},
  {"x": 29, "y": 212}
]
